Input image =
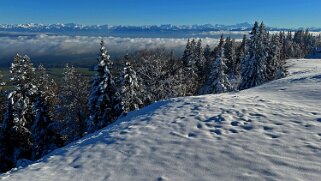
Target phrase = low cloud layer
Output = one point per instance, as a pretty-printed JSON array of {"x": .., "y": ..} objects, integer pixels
[{"x": 43, "y": 45}]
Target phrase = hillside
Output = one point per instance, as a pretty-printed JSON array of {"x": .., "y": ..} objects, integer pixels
[{"x": 271, "y": 132}]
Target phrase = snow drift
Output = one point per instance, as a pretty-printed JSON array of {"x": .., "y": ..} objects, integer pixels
[{"x": 271, "y": 132}]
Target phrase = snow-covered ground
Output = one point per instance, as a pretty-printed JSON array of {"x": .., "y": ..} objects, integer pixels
[{"x": 271, "y": 132}]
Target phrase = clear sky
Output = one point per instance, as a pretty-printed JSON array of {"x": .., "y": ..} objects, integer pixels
[{"x": 278, "y": 13}]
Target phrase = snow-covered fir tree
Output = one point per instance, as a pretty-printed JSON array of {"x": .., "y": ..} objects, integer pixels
[
  {"x": 193, "y": 56},
  {"x": 288, "y": 46},
  {"x": 254, "y": 65},
  {"x": 72, "y": 107},
  {"x": 16, "y": 136},
  {"x": 208, "y": 61},
  {"x": 279, "y": 63},
  {"x": 192, "y": 75},
  {"x": 207, "y": 52},
  {"x": 217, "y": 81},
  {"x": 2, "y": 98},
  {"x": 47, "y": 89},
  {"x": 219, "y": 78},
  {"x": 2, "y": 105},
  {"x": 274, "y": 58},
  {"x": 199, "y": 58},
  {"x": 130, "y": 89},
  {"x": 44, "y": 139},
  {"x": 187, "y": 54},
  {"x": 1, "y": 81},
  {"x": 229, "y": 52},
  {"x": 241, "y": 53},
  {"x": 104, "y": 100}
]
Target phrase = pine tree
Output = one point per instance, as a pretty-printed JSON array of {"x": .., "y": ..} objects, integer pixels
[
  {"x": 2, "y": 99},
  {"x": 187, "y": 54},
  {"x": 16, "y": 134},
  {"x": 220, "y": 82},
  {"x": 229, "y": 52},
  {"x": 193, "y": 49},
  {"x": 217, "y": 81},
  {"x": 241, "y": 52},
  {"x": 104, "y": 101},
  {"x": 47, "y": 89},
  {"x": 207, "y": 53},
  {"x": 199, "y": 58},
  {"x": 191, "y": 74},
  {"x": 289, "y": 46},
  {"x": 208, "y": 62},
  {"x": 254, "y": 65},
  {"x": 1, "y": 81},
  {"x": 2, "y": 105},
  {"x": 282, "y": 39},
  {"x": 273, "y": 57},
  {"x": 6, "y": 146},
  {"x": 130, "y": 89},
  {"x": 190, "y": 56},
  {"x": 43, "y": 137},
  {"x": 72, "y": 108}
]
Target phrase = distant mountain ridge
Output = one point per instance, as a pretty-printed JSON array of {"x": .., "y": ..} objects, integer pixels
[{"x": 36, "y": 27}]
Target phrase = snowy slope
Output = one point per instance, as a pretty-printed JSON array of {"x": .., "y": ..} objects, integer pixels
[{"x": 271, "y": 132}]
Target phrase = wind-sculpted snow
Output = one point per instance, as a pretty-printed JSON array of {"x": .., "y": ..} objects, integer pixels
[{"x": 271, "y": 132}]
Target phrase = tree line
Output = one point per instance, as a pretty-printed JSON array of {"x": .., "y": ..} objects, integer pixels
[{"x": 42, "y": 115}]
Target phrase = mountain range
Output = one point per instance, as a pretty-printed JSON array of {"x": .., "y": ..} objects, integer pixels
[{"x": 72, "y": 27}]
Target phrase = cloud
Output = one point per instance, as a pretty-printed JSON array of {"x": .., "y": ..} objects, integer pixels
[
  {"x": 238, "y": 34},
  {"x": 43, "y": 45}
]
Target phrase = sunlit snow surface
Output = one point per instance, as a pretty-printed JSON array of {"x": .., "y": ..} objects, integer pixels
[{"x": 271, "y": 132}]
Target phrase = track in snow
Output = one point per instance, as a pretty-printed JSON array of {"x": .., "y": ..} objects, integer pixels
[{"x": 271, "y": 132}]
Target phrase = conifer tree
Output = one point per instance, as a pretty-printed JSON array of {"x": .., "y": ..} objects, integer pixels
[
  {"x": 190, "y": 56},
  {"x": 218, "y": 77},
  {"x": 72, "y": 108},
  {"x": 104, "y": 100},
  {"x": 2, "y": 98},
  {"x": 241, "y": 52},
  {"x": 187, "y": 54},
  {"x": 229, "y": 52},
  {"x": 289, "y": 46},
  {"x": 200, "y": 59},
  {"x": 217, "y": 81},
  {"x": 43, "y": 137},
  {"x": 1, "y": 81},
  {"x": 16, "y": 136},
  {"x": 130, "y": 89},
  {"x": 191, "y": 74},
  {"x": 208, "y": 62},
  {"x": 207, "y": 52},
  {"x": 282, "y": 39},
  {"x": 254, "y": 65},
  {"x": 273, "y": 58}
]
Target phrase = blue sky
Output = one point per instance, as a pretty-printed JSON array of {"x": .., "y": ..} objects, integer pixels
[{"x": 279, "y": 13}]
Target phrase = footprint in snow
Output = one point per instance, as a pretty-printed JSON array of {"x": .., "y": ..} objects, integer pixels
[
  {"x": 233, "y": 131},
  {"x": 199, "y": 126},
  {"x": 272, "y": 135},
  {"x": 161, "y": 179},
  {"x": 234, "y": 123},
  {"x": 266, "y": 128},
  {"x": 193, "y": 135},
  {"x": 216, "y": 131}
]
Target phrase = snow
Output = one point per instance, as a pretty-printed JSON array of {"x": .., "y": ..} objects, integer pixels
[{"x": 271, "y": 132}]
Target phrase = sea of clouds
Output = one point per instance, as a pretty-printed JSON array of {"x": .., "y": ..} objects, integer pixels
[{"x": 43, "y": 45}]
